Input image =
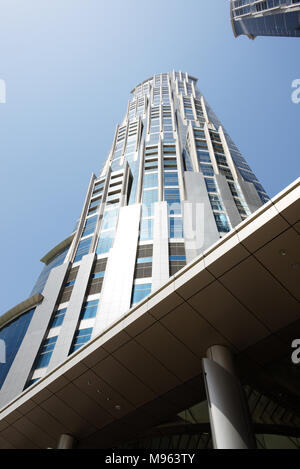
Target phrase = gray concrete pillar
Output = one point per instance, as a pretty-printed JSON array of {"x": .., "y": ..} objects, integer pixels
[
  {"x": 66, "y": 441},
  {"x": 228, "y": 411}
]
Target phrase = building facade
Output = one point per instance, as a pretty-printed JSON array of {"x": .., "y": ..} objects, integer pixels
[
  {"x": 173, "y": 185},
  {"x": 167, "y": 216},
  {"x": 265, "y": 18}
]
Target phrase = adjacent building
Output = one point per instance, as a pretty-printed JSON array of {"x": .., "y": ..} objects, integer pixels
[{"x": 265, "y": 18}]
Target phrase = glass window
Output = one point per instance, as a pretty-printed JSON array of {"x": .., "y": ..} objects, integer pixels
[
  {"x": 187, "y": 161},
  {"x": 98, "y": 275},
  {"x": 211, "y": 185},
  {"x": 90, "y": 226},
  {"x": 110, "y": 219},
  {"x": 98, "y": 188},
  {"x": 105, "y": 242},
  {"x": 146, "y": 229},
  {"x": 151, "y": 165},
  {"x": 172, "y": 197},
  {"x": 89, "y": 309},
  {"x": 95, "y": 202},
  {"x": 149, "y": 198},
  {"x": 12, "y": 334},
  {"x": 215, "y": 202},
  {"x": 171, "y": 179},
  {"x": 168, "y": 137},
  {"x": 140, "y": 291},
  {"x": 83, "y": 249},
  {"x": 222, "y": 222},
  {"x": 170, "y": 163},
  {"x": 69, "y": 284},
  {"x": 45, "y": 353},
  {"x": 207, "y": 169},
  {"x": 150, "y": 180},
  {"x": 58, "y": 318},
  {"x": 81, "y": 337},
  {"x": 203, "y": 156},
  {"x": 56, "y": 261},
  {"x": 175, "y": 227}
]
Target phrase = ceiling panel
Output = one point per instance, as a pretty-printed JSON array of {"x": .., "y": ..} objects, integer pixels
[
  {"x": 125, "y": 382},
  {"x": 12, "y": 435},
  {"x": 108, "y": 398},
  {"x": 191, "y": 329},
  {"x": 228, "y": 316},
  {"x": 226, "y": 256},
  {"x": 49, "y": 424},
  {"x": 192, "y": 280},
  {"x": 83, "y": 405},
  {"x": 69, "y": 418},
  {"x": 256, "y": 232},
  {"x": 263, "y": 295},
  {"x": 282, "y": 258},
  {"x": 163, "y": 302},
  {"x": 144, "y": 365},
  {"x": 170, "y": 351},
  {"x": 36, "y": 433}
]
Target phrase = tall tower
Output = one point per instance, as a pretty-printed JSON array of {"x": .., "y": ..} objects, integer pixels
[
  {"x": 172, "y": 185},
  {"x": 265, "y": 18}
]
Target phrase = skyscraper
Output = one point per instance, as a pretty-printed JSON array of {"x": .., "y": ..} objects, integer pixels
[
  {"x": 172, "y": 186},
  {"x": 265, "y": 18}
]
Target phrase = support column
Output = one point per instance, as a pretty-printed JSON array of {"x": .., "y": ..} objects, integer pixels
[
  {"x": 228, "y": 411},
  {"x": 66, "y": 441}
]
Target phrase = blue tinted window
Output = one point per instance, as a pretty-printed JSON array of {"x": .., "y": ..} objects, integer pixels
[
  {"x": 89, "y": 309},
  {"x": 207, "y": 169},
  {"x": 83, "y": 249},
  {"x": 110, "y": 219},
  {"x": 222, "y": 222},
  {"x": 203, "y": 156},
  {"x": 149, "y": 198},
  {"x": 90, "y": 226},
  {"x": 211, "y": 185},
  {"x": 172, "y": 197},
  {"x": 177, "y": 258},
  {"x": 58, "y": 318},
  {"x": 215, "y": 202},
  {"x": 187, "y": 161},
  {"x": 142, "y": 260},
  {"x": 81, "y": 337},
  {"x": 171, "y": 179},
  {"x": 95, "y": 203},
  {"x": 170, "y": 163},
  {"x": 98, "y": 275},
  {"x": 146, "y": 229},
  {"x": 168, "y": 137},
  {"x": 69, "y": 284},
  {"x": 56, "y": 261},
  {"x": 150, "y": 180},
  {"x": 105, "y": 242},
  {"x": 45, "y": 353},
  {"x": 12, "y": 334},
  {"x": 32, "y": 381},
  {"x": 140, "y": 291},
  {"x": 175, "y": 227},
  {"x": 134, "y": 168}
]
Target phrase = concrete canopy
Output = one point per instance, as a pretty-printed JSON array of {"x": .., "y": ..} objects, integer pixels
[{"x": 243, "y": 292}]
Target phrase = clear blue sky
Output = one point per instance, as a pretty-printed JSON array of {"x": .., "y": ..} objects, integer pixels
[{"x": 69, "y": 66}]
